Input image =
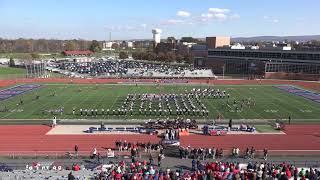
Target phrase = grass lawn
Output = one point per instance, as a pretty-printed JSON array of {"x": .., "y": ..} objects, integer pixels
[
  {"x": 271, "y": 103},
  {"x": 9, "y": 72},
  {"x": 27, "y": 55}
]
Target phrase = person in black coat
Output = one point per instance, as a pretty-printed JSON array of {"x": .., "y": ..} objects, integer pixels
[
  {"x": 230, "y": 123},
  {"x": 71, "y": 176}
]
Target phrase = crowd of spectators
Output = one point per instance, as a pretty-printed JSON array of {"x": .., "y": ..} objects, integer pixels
[
  {"x": 209, "y": 171},
  {"x": 196, "y": 170},
  {"x": 139, "y": 147},
  {"x": 254, "y": 171},
  {"x": 215, "y": 152}
]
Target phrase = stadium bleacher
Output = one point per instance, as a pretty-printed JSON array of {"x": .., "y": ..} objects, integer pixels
[{"x": 196, "y": 170}]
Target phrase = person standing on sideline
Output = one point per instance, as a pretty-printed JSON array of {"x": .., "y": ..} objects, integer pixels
[
  {"x": 150, "y": 159},
  {"x": 265, "y": 154},
  {"x": 252, "y": 152},
  {"x": 193, "y": 164},
  {"x": 289, "y": 119},
  {"x": 94, "y": 153},
  {"x": 230, "y": 125},
  {"x": 71, "y": 177},
  {"x": 54, "y": 121},
  {"x": 214, "y": 151},
  {"x": 160, "y": 157},
  {"x": 76, "y": 150}
]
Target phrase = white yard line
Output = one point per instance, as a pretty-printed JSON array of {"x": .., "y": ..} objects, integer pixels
[
  {"x": 278, "y": 106},
  {"x": 114, "y": 102},
  {"x": 259, "y": 114}
]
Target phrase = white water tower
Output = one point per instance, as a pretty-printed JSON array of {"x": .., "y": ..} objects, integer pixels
[{"x": 156, "y": 35}]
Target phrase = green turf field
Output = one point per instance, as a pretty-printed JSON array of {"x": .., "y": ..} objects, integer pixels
[
  {"x": 271, "y": 103},
  {"x": 9, "y": 72}
]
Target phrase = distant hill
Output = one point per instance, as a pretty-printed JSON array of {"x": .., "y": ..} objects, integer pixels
[
  {"x": 277, "y": 38},
  {"x": 303, "y": 38}
]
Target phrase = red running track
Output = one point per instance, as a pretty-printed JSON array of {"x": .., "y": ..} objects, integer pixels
[
  {"x": 29, "y": 139},
  {"x": 304, "y": 84},
  {"x": 297, "y": 140}
]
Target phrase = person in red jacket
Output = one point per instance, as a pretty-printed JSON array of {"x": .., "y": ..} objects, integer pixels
[
  {"x": 76, "y": 167},
  {"x": 118, "y": 176}
]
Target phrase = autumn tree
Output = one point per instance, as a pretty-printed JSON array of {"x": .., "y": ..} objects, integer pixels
[
  {"x": 11, "y": 62},
  {"x": 95, "y": 46},
  {"x": 115, "y": 46},
  {"x": 179, "y": 58},
  {"x": 161, "y": 56},
  {"x": 151, "y": 56},
  {"x": 123, "y": 55},
  {"x": 136, "y": 55},
  {"x": 42, "y": 45},
  {"x": 170, "y": 57},
  {"x": 171, "y": 39},
  {"x": 189, "y": 40},
  {"x": 35, "y": 56},
  {"x": 189, "y": 58},
  {"x": 70, "y": 46}
]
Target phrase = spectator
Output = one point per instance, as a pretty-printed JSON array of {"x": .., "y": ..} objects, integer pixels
[
  {"x": 71, "y": 176},
  {"x": 76, "y": 167},
  {"x": 54, "y": 121},
  {"x": 76, "y": 150},
  {"x": 94, "y": 153},
  {"x": 150, "y": 159},
  {"x": 252, "y": 152},
  {"x": 265, "y": 154}
]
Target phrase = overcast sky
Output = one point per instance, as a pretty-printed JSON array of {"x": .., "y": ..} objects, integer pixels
[{"x": 134, "y": 19}]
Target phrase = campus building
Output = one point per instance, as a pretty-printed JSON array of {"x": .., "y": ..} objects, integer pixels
[
  {"x": 269, "y": 63},
  {"x": 216, "y": 42}
]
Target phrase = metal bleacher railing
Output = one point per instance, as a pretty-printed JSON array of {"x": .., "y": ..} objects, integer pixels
[{"x": 19, "y": 159}]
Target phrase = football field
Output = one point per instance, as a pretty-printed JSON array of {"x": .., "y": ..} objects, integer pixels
[{"x": 60, "y": 99}]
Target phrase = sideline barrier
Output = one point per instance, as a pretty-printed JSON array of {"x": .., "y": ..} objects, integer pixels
[
  {"x": 64, "y": 154},
  {"x": 57, "y": 161},
  {"x": 217, "y": 133},
  {"x": 68, "y": 154},
  {"x": 223, "y": 130},
  {"x": 121, "y": 129}
]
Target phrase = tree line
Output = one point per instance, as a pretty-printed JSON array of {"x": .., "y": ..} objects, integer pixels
[
  {"x": 47, "y": 46},
  {"x": 161, "y": 56}
]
